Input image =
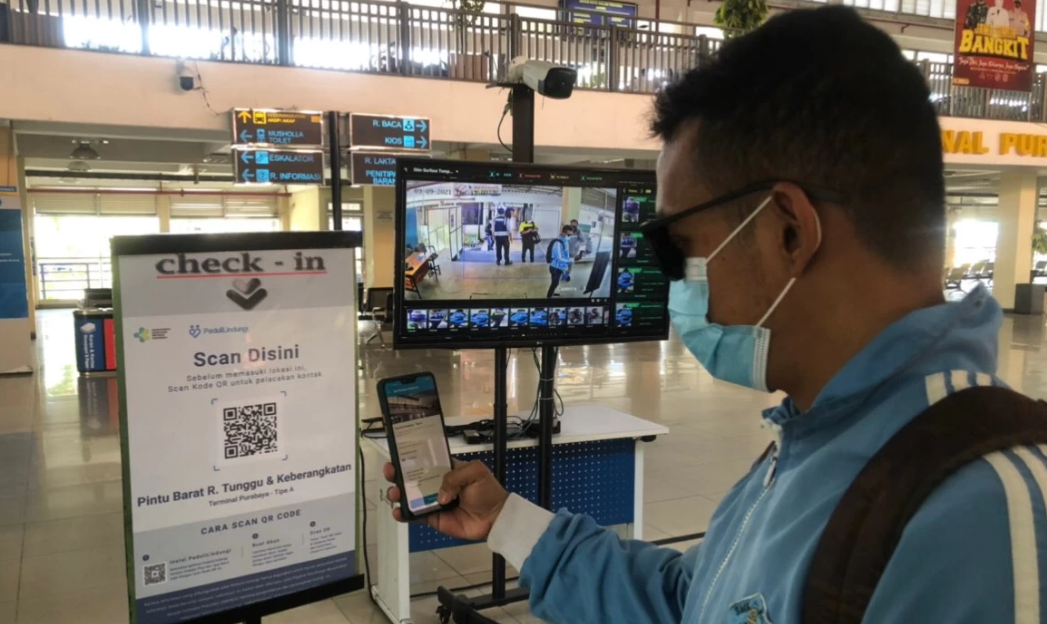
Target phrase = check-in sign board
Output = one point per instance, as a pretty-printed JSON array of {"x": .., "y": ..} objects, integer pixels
[
  {"x": 277, "y": 127},
  {"x": 389, "y": 132},
  {"x": 279, "y": 166}
]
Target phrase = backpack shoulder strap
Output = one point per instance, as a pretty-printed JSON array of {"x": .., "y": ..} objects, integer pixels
[{"x": 868, "y": 522}]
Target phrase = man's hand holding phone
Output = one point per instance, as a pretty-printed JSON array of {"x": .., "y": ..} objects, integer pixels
[{"x": 480, "y": 500}]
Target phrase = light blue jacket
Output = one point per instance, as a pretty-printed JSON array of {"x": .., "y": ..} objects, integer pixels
[
  {"x": 561, "y": 259},
  {"x": 974, "y": 553}
]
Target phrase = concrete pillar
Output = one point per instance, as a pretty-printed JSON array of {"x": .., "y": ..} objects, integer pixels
[
  {"x": 1017, "y": 218},
  {"x": 572, "y": 205},
  {"x": 283, "y": 209},
  {"x": 307, "y": 212},
  {"x": 379, "y": 236},
  {"x": 952, "y": 215},
  {"x": 163, "y": 212},
  {"x": 324, "y": 198},
  {"x": 27, "y": 242},
  {"x": 16, "y": 313}
]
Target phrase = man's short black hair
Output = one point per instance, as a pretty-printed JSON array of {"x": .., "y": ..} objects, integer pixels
[
  {"x": 824, "y": 98},
  {"x": 567, "y": 229}
]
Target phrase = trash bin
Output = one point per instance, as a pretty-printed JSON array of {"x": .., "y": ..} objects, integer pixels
[
  {"x": 1028, "y": 298},
  {"x": 90, "y": 327}
]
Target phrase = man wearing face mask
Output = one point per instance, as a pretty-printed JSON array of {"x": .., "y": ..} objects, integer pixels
[{"x": 801, "y": 219}]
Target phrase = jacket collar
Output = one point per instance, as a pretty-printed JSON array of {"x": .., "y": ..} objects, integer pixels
[{"x": 944, "y": 336}]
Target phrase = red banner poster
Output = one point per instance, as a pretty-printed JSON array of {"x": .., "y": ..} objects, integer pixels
[{"x": 994, "y": 44}]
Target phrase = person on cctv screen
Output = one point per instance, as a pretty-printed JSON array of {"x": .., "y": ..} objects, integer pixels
[
  {"x": 503, "y": 234},
  {"x": 627, "y": 244},
  {"x": 625, "y": 281},
  {"x": 801, "y": 170},
  {"x": 529, "y": 237},
  {"x": 559, "y": 260}
]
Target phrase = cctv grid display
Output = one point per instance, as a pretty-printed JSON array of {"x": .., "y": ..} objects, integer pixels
[{"x": 454, "y": 287}]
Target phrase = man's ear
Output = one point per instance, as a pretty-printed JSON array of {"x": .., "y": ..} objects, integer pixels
[{"x": 800, "y": 227}]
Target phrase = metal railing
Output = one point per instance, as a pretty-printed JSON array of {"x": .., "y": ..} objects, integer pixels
[
  {"x": 65, "y": 279},
  {"x": 960, "y": 101},
  {"x": 382, "y": 37},
  {"x": 404, "y": 39}
]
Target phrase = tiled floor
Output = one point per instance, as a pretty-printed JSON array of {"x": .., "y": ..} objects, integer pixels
[{"x": 61, "y": 547}]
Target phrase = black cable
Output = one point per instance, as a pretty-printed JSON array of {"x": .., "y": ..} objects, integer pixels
[
  {"x": 679, "y": 538},
  {"x": 455, "y": 590},
  {"x": 371, "y": 431},
  {"x": 203, "y": 90},
  {"x": 363, "y": 499},
  {"x": 505, "y": 111}
]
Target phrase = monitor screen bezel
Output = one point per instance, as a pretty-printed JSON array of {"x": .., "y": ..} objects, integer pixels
[{"x": 643, "y": 176}]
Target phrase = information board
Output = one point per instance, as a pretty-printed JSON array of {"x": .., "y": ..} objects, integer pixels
[
  {"x": 14, "y": 301},
  {"x": 277, "y": 127},
  {"x": 389, "y": 132},
  {"x": 238, "y": 421},
  {"x": 271, "y": 166},
  {"x": 601, "y": 12},
  {"x": 374, "y": 168},
  {"x": 16, "y": 354}
]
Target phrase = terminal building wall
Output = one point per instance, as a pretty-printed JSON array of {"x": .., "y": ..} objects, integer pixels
[{"x": 86, "y": 87}]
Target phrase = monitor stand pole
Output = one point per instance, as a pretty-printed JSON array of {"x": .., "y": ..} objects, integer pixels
[{"x": 461, "y": 609}]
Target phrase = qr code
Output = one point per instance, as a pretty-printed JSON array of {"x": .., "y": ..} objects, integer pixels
[
  {"x": 250, "y": 430},
  {"x": 155, "y": 574}
]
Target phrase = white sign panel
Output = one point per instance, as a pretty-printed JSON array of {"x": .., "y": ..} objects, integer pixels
[{"x": 239, "y": 373}]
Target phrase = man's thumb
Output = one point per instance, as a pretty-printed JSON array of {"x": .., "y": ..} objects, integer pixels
[{"x": 458, "y": 479}]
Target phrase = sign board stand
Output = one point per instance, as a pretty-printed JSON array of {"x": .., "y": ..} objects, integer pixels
[{"x": 238, "y": 434}]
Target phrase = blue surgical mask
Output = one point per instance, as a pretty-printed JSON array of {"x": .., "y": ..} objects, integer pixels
[{"x": 734, "y": 353}]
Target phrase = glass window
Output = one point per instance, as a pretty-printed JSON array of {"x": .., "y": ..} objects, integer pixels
[
  {"x": 709, "y": 31},
  {"x": 72, "y": 250},
  {"x": 352, "y": 221},
  {"x": 536, "y": 13},
  {"x": 975, "y": 241},
  {"x": 224, "y": 225},
  {"x": 934, "y": 57}
]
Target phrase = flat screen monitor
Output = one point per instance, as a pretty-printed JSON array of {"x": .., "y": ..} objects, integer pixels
[{"x": 491, "y": 254}]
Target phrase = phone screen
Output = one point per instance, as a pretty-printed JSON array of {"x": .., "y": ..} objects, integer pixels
[{"x": 414, "y": 413}]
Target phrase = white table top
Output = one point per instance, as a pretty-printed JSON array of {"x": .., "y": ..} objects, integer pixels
[{"x": 587, "y": 422}]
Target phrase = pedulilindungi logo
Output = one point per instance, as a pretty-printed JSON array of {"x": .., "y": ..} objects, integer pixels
[
  {"x": 142, "y": 334},
  {"x": 197, "y": 331},
  {"x": 247, "y": 293}
]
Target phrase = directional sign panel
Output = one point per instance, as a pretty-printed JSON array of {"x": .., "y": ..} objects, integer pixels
[
  {"x": 279, "y": 166},
  {"x": 388, "y": 132},
  {"x": 277, "y": 127},
  {"x": 374, "y": 168},
  {"x": 601, "y": 12}
]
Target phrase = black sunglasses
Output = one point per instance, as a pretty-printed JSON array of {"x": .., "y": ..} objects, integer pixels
[{"x": 672, "y": 260}]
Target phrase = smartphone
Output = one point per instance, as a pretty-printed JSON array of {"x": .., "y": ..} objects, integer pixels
[{"x": 414, "y": 426}]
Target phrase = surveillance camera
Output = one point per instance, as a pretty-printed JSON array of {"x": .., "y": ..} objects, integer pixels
[
  {"x": 186, "y": 77},
  {"x": 552, "y": 81}
]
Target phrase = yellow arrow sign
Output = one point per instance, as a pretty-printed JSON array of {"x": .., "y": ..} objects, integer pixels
[{"x": 245, "y": 116}]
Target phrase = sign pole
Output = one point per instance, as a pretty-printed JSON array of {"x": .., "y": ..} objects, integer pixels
[
  {"x": 523, "y": 152},
  {"x": 336, "y": 168}
]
